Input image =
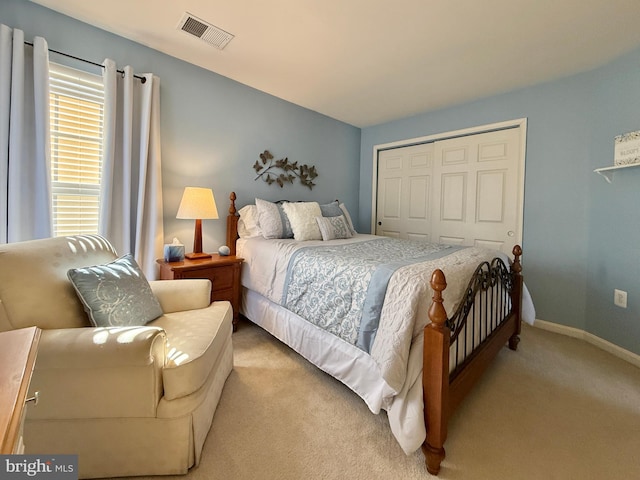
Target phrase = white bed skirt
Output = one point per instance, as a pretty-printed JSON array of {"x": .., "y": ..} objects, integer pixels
[{"x": 341, "y": 360}]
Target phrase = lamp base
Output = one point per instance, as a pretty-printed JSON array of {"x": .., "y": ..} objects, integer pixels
[
  {"x": 197, "y": 256},
  {"x": 197, "y": 253}
]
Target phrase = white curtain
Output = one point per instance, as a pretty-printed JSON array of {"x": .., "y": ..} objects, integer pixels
[
  {"x": 131, "y": 186},
  {"x": 25, "y": 155}
]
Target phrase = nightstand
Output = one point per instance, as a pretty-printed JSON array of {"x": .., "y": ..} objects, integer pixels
[{"x": 223, "y": 271}]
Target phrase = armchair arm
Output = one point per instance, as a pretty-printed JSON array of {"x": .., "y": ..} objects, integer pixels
[
  {"x": 181, "y": 295},
  {"x": 99, "y": 372}
]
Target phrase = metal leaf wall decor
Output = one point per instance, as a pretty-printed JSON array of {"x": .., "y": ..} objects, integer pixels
[{"x": 283, "y": 171}]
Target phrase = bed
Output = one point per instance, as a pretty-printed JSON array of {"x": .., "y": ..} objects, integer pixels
[{"x": 372, "y": 311}]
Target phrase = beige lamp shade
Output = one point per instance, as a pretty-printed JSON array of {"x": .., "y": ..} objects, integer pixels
[{"x": 197, "y": 203}]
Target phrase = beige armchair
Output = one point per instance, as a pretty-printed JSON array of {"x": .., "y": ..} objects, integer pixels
[{"x": 136, "y": 400}]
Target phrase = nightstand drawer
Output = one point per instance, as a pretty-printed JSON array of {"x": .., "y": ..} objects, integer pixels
[
  {"x": 228, "y": 295},
  {"x": 221, "y": 278},
  {"x": 224, "y": 273}
]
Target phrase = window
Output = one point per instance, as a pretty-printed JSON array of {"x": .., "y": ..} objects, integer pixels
[{"x": 77, "y": 108}]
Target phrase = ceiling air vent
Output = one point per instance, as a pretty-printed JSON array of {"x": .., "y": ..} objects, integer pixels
[{"x": 204, "y": 31}]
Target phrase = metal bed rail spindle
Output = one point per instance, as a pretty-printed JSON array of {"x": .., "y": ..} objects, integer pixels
[{"x": 487, "y": 298}]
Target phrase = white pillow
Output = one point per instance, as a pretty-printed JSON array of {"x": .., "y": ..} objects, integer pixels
[
  {"x": 333, "y": 228},
  {"x": 248, "y": 225},
  {"x": 348, "y": 218},
  {"x": 302, "y": 216}
]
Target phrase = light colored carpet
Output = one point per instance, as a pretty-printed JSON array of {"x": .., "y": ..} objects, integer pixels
[{"x": 558, "y": 408}]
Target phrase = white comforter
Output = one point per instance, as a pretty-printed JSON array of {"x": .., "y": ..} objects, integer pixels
[{"x": 397, "y": 349}]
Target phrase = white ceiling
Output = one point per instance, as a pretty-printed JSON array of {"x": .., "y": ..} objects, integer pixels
[{"x": 370, "y": 61}]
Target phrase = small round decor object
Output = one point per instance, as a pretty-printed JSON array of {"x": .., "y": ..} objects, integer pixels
[{"x": 224, "y": 250}]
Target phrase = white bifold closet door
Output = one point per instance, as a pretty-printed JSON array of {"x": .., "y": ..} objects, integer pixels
[
  {"x": 461, "y": 191},
  {"x": 405, "y": 178}
]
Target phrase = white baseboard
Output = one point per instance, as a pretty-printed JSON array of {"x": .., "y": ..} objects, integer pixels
[{"x": 590, "y": 338}]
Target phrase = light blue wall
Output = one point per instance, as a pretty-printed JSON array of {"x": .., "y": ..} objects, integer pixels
[
  {"x": 614, "y": 209},
  {"x": 213, "y": 128},
  {"x": 581, "y": 235}
]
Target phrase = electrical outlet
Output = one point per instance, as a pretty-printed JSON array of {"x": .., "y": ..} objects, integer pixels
[{"x": 620, "y": 298}]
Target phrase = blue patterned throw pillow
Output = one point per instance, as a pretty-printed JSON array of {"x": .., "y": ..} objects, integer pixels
[
  {"x": 333, "y": 228},
  {"x": 116, "y": 294}
]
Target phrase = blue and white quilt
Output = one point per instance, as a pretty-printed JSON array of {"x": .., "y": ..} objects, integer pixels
[
  {"x": 280, "y": 271},
  {"x": 341, "y": 288}
]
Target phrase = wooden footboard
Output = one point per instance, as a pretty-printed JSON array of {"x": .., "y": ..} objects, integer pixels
[{"x": 494, "y": 294}]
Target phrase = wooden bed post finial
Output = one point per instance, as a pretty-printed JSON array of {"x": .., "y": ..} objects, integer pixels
[
  {"x": 516, "y": 266},
  {"x": 437, "y": 313},
  {"x": 232, "y": 203},
  {"x": 232, "y": 224},
  {"x": 435, "y": 376}
]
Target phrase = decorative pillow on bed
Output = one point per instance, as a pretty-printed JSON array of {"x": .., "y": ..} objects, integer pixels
[
  {"x": 331, "y": 209},
  {"x": 273, "y": 220},
  {"x": 333, "y": 228},
  {"x": 116, "y": 294},
  {"x": 248, "y": 225},
  {"x": 348, "y": 218},
  {"x": 302, "y": 216}
]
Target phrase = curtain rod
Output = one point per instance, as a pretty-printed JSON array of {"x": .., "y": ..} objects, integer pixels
[{"x": 142, "y": 79}]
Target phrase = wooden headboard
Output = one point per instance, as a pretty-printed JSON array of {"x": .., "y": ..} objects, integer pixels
[{"x": 232, "y": 224}]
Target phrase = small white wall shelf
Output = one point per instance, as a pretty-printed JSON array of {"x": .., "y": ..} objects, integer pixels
[{"x": 607, "y": 172}]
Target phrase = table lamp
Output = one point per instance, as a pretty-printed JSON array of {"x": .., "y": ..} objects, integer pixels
[{"x": 197, "y": 203}]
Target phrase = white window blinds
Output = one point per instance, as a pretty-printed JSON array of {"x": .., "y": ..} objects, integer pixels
[{"x": 77, "y": 107}]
